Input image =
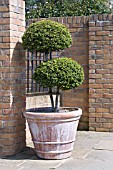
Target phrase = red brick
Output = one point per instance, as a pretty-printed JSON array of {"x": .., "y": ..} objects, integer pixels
[
  {"x": 95, "y": 95},
  {"x": 95, "y": 29},
  {"x": 108, "y": 86},
  {"x": 4, "y": 57},
  {"x": 96, "y": 86},
  {"x": 6, "y": 15},
  {"x": 4, "y": 8},
  {"x": 102, "y": 110},
  {"x": 95, "y": 38},
  {"x": 95, "y": 76},
  {"x": 100, "y": 33},
  {"x": 107, "y": 95},
  {"x": 102, "y": 130},
  {"x": 102, "y": 71}
]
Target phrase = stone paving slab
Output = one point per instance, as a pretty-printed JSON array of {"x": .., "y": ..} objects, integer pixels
[
  {"x": 103, "y": 155},
  {"x": 85, "y": 164},
  {"x": 105, "y": 145},
  {"x": 43, "y": 165},
  {"x": 92, "y": 151}
]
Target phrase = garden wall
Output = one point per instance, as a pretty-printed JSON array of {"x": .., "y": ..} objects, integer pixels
[
  {"x": 12, "y": 77},
  {"x": 101, "y": 73},
  {"x": 93, "y": 48}
]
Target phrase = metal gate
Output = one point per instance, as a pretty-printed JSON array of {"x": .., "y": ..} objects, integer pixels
[{"x": 33, "y": 61}]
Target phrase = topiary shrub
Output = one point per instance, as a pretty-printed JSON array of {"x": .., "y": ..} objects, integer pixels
[
  {"x": 46, "y": 36},
  {"x": 62, "y": 73}
]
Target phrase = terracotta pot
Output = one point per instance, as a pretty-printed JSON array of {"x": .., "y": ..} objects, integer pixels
[{"x": 53, "y": 134}]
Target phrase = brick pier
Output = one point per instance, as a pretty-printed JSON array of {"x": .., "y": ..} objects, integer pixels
[{"x": 12, "y": 77}]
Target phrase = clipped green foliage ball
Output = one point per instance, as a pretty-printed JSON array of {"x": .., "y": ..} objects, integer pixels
[
  {"x": 63, "y": 73},
  {"x": 46, "y": 36}
]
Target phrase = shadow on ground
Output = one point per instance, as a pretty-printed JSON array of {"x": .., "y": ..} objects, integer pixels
[{"x": 27, "y": 153}]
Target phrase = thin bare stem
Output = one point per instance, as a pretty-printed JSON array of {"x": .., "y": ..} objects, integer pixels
[
  {"x": 56, "y": 101},
  {"x": 51, "y": 98}
]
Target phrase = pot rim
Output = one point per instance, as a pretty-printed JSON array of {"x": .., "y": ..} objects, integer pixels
[{"x": 54, "y": 115}]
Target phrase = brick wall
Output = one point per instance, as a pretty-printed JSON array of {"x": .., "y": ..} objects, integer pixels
[
  {"x": 79, "y": 51},
  {"x": 12, "y": 77},
  {"x": 101, "y": 73},
  {"x": 93, "y": 48}
]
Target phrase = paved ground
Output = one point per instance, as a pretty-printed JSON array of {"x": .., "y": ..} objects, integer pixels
[{"x": 92, "y": 151}]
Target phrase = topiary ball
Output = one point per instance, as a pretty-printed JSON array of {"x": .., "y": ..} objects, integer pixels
[
  {"x": 63, "y": 73},
  {"x": 46, "y": 36}
]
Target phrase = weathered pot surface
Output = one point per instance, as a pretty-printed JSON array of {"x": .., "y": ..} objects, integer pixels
[{"x": 53, "y": 134}]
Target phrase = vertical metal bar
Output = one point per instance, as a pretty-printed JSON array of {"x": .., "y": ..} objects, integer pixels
[
  {"x": 36, "y": 84},
  {"x": 36, "y": 59},
  {"x": 50, "y": 55},
  {"x": 39, "y": 60},
  {"x": 46, "y": 56},
  {"x": 32, "y": 70},
  {"x": 27, "y": 72},
  {"x": 43, "y": 57}
]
